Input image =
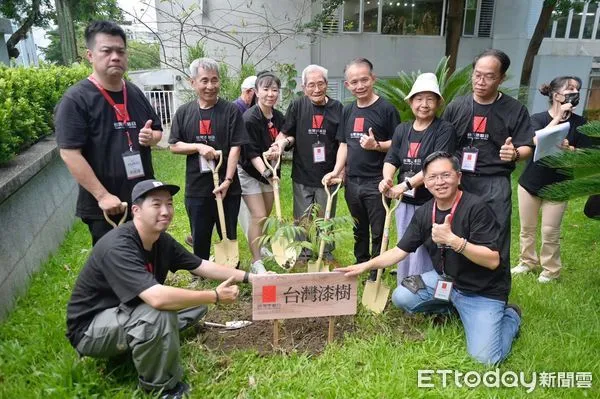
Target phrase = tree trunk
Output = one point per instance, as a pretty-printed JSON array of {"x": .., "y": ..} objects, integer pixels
[
  {"x": 456, "y": 10},
  {"x": 534, "y": 47},
  {"x": 66, "y": 30},
  {"x": 21, "y": 33}
]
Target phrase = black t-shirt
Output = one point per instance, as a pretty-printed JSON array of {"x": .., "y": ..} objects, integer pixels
[
  {"x": 409, "y": 158},
  {"x": 118, "y": 270},
  {"x": 475, "y": 221},
  {"x": 356, "y": 121},
  {"x": 85, "y": 120},
  {"x": 261, "y": 134},
  {"x": 536, "y": 176},
  {"x": 310, "y": 124},
  {"x": 487, "y": 127},
  {"x": 220, "y": 127}
]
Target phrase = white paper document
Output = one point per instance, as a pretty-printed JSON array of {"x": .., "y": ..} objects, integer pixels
[{"x": 549, "y": 140}]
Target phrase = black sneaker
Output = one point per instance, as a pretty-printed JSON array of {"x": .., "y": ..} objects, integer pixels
[{"x": 180, "y": 390}]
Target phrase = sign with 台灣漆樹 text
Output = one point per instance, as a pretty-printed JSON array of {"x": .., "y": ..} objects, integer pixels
[{"x": 291, "y": 296}]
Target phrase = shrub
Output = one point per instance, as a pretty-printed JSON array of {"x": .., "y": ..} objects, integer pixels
[{"x": 27, "y": 100}]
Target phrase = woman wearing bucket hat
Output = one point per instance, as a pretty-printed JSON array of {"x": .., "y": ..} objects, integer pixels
[{"x": 412, "y": 142}]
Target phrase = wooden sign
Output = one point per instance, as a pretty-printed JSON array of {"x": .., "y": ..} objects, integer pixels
[{"x": 291, "y": 296}]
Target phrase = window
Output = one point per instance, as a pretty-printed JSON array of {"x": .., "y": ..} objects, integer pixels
[
  {"x": 351, "y": 16},
  {"x": 561, "y": 27},
  {"x": 470, "y": 18},
  {"x": 408, "y": 17},
  {"x": 588, "y": 26},
  {"x": 575, "y": 25}
]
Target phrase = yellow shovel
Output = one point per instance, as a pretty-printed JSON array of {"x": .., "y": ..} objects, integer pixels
[
  {"x": 113, "y": 224},
  {"x": 314, "y": 267},
  {"x": 284, "y": 254},
  {"x": 226, "y": 251},
  {"x": 376, "y": 292}
]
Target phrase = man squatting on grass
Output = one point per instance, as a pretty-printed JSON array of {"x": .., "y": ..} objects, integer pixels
[
  {"x": 119, "y": 302},
  {"x": 461, "y": 234}
]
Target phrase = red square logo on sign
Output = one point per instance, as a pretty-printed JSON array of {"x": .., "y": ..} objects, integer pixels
[
  {"x": 359, "y": 124},
  {"x": 479, "y": 124},
  {"x": 269, "y": 294}
]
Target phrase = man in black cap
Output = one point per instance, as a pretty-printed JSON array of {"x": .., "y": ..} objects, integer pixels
[{"x": 119, "y": 302}]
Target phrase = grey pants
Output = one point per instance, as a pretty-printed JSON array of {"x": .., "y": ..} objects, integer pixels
[
  {"x": 305, "y": 197},
  {"x": 151, "y": 335}
]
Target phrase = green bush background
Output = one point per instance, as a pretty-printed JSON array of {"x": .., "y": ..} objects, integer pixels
[{"x": 27, "y": 100}]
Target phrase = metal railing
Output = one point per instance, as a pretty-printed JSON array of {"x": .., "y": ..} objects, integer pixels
[{"x": 163, "y": 103}]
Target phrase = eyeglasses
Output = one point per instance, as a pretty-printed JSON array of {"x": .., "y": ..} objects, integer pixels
[
  {"x": 443, "y": 176},
  {"x": 313, "y": 85},
  {"x": 488, "y": 77}
]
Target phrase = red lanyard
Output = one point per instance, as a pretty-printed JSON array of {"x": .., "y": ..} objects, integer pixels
[
  {"x": 121, "y": 113},
  {"x": 454, "y": 205}
]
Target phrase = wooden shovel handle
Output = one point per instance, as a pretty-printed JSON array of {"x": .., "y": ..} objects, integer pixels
[
  {"x": 275, "y": 182},
  {"x": 109, "y": 220},
  {"x": 220, "y": 210}
]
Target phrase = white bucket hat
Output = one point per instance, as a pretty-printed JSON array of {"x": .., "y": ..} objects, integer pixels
[
  {"x": 425, "y": 82},
  {"x": 249, "y": 82}
]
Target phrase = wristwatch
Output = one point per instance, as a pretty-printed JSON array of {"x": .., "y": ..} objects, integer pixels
[{"x": 267, "y": 173}]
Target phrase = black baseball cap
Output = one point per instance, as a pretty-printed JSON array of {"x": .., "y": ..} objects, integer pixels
[{"x": 146, "y": 186}]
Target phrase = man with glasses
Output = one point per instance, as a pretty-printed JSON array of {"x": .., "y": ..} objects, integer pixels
[
  {"x": 311, "y": 125},
  {"x": 365, "y": 135},
  {"x": 494, "y": 132},
  {"x": 470, "y": 277}
]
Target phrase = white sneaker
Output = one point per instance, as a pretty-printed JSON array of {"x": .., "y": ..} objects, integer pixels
[
  {"x": 265, "y": 253},
  {"x": 519, "y": 269},
  {"x": 258, "y": 267},
  {"x": 545, "y": 279}
]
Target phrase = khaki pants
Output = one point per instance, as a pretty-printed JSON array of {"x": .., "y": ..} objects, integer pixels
[
  {"x": 151, "y": 335},
  {"x": 552, "y": 213}
]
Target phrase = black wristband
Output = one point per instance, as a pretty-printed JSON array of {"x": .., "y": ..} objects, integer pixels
[
  {"x": 216, "y": 296},
  {"x": 246, "y": 277},
  {"x": 408, "y": 185},
  {"x": 517, "y": 155},
  {"x": 267, "y": 173}
]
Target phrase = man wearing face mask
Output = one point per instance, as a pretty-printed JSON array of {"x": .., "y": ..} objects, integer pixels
[
  {"x": 563, "y": 93},
  {"x": 311, "y": 125}
]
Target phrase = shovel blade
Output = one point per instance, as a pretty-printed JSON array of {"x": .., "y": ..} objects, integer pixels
[
  {"x": 227, "y": 253},
  {"x": 375, "y": 296},
  {"x": 284, "y": 255}
]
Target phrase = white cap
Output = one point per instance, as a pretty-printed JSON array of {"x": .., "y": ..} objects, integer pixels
[
  {"x": 249, "y": 82},
  {"x": 425, "y": 82}
]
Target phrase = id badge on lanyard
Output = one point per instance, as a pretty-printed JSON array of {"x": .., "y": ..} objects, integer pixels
[
  {"x": 133, "y": 164},
  {"x": 318, "y": 150},
  {"x": 469, "y": 159},
  {"x": 206, "y": 165},
  {"x": 443, "y": 289}
]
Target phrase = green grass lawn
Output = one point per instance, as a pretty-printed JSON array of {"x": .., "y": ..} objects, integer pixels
[{"x": 380, "y": 359}]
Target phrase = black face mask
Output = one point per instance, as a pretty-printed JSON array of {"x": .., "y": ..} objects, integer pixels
[{"x": 571, "y": 98}]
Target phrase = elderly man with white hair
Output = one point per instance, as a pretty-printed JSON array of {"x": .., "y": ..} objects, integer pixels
[
  {"x": 201, "y": 128},
  {"x": 311, "y": 123}
]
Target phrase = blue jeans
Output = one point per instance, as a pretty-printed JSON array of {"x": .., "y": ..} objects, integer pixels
[{"x": 490, "y": 327}]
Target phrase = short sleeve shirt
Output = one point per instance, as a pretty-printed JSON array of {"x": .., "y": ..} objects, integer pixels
[
  {"x": 312, "y": 126},
  {"x": 410, "y": 148},
  {"x": 475, "y": 221},
  {"x": 118, "y": 270},
  {"x": 85, "y": 120},
  {"x": 486, "y": 127},
  {"x": 220, "y": 127},
  {"x": 383, "y": 118}
]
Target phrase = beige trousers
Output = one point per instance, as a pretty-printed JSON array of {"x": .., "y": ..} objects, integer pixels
[{"x": 552, "y": 213}]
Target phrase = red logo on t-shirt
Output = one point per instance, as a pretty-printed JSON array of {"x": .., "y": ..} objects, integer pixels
[
  {"x": 205, "y": 128},
  {"x": 359, "y": 124},
  {"x": 272, "y": 130},
  {"x": 317, "y": 121},
  {"x": 121, "y": 112},
  {"x": 479, "y": 124},
  {"x": 149, "y": 267},
  {"x": 269, "y": 294}
]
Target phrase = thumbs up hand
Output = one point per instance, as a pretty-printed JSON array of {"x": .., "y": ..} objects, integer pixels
[
  {"x": 442, "y": 234},
  {"x": 369, "y": 142},
  {"x": 146, "y": 134},
  {"x": 507, "y": 151},
  {"x": 227, "y": 291}
]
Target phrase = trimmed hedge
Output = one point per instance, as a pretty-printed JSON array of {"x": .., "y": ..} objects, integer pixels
[{"x": 27, "y": 100}]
